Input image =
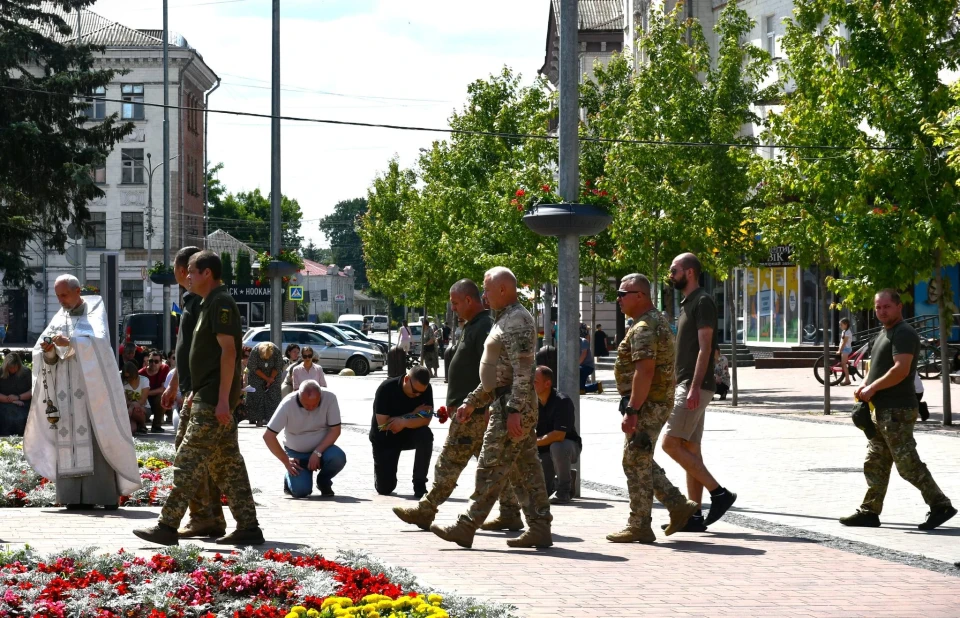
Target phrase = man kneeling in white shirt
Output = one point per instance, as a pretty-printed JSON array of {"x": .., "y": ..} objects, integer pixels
[{"x": 310, "y": 420}]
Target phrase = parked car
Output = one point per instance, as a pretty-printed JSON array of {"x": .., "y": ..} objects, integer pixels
[
  {"x": 357, "y": 336},
  {"x": 331, "y": 355},
  {"x": 376, "y": 323},
  {"x": 352, "y": 319},
  {"x": 146, "y": 329}
]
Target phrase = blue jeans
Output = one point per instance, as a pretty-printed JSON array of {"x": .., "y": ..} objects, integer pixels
[
  {"x": 331, "y": 463},
  {"x": 584, "y": 374}
]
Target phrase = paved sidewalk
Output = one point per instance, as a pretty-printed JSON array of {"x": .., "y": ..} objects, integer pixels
[{"x": 732, "y": 570}]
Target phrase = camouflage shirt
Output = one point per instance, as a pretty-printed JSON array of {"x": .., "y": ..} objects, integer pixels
[
  {"x": 514, "y": 336},
  {"x": 649, "y": 337}
]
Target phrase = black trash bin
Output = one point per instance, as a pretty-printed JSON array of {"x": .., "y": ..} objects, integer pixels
[{"x": 396, "y": 362}]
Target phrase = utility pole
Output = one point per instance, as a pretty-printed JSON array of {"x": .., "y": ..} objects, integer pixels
[
  {"x": 149, "y": 169},
  {"x": 276, "y": 289},
  {"x": 165, "y": 311},
  {"x": 83, "y": 237}
]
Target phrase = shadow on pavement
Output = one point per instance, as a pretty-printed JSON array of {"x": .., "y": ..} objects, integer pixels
[
  {"x": 710, "y": 548},
  {"x": 583, "y": 503},
  {"x": 338, "y": 499},
  {"x": 556, "y": 552},
  {"x": 746, "y": 536},
  {"x": 121, "y": 513},
  {"x": 557, "y": 538}
]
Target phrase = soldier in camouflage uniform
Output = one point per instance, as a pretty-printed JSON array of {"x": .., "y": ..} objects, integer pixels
[
  {"x": 645, "y": 379},
  {"x": 465, "y": 437},
  {"x": 210, "y": 442},
  {"x": 510, "y": 442},
  {"x": 893, "y": 408}
]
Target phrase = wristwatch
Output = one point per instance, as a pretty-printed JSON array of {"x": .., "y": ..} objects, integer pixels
[
  {"x": 630, "y": 411},
  {"x": 318, "y": 453}
]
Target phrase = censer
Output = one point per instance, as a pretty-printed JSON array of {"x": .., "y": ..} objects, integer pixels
[{"x": 52, "y": 412}]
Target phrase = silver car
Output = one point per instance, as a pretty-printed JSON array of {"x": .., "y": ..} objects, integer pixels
[{"x": 329, "y": 353}]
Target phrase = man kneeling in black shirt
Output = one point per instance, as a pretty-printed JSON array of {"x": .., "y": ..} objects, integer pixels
[
  {"x": 396, "y": 397},
  {"x": 558, "y": 443}
]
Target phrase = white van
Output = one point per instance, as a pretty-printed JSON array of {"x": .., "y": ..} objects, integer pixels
[
  {"x": 376, "y": 323},
  {"x": 351, "y": 319}
]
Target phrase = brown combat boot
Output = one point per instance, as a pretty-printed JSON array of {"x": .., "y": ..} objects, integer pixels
[
  {"x": 197, "y": 529},
  {"x": 679, "y": 517},
  {"x": 420, "y": 516},
  {"x": 511, "y": 522},
  {"x": 460, "y": 533},
  {"x": 537, "y": 535},
  {"x": 634, "y": 534}
]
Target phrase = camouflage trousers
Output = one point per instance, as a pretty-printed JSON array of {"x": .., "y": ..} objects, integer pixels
[
  {"x": 646, "y": 479},
  {"x": 894, "y": 444},
  {"x": 464, "y": 441},
  {"x": 210, "y": 448},
  {"x": 504, "y": 459},
  {"x": 205, "y": 506}
]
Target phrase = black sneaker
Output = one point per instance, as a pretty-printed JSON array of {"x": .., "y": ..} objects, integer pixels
[
  {"x": 924, "y": 413},
  {"x": 938, "y": 515},
  {"x": 286, "y": 489},
  {"x": 419, "y": 490},
  {"x": 719, "y": 506},
  {"x": 694, "y": 524},
  {"x": 326, "y": 491},
  {"x": 161, "y": 534},
  {"x": 861, "y": 519}
]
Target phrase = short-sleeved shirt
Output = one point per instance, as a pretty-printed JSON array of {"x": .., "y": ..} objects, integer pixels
[
  {"x": 188, "y": 322},
  {"x": 901, "y": 339},
  {"x": 649, "y": 337},
  {"x": 300, "y": 374},
  {"x": 218, "y": 316},
  {"x": 158, "y": 379},
  {"x": 390, "y": 400},
  {"x": 17, "y": 384},
  {"x": 588, "y": 360},
  {"x": 136, "y": 394},
  {"x": 557, "y": 415},
  {"x": 698, "y": 310},
  {"x": 464, "y": 373},
  {"x": 304, "y": 430}
]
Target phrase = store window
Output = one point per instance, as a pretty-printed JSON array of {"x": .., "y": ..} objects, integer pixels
[{"x": 772, "y": 304}]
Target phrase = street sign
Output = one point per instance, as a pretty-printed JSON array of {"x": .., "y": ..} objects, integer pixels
[
  {"x": 295, "y": 292},
  {"x": 340, "y": 298}
]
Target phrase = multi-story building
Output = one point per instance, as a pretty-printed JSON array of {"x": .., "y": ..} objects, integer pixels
[{"x": 121, "y": 220}]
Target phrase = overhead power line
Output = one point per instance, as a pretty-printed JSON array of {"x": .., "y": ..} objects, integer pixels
[{"x": 518, "y": 136}]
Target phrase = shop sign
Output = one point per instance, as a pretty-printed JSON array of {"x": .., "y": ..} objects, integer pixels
[{"x": 780, "y": 255}]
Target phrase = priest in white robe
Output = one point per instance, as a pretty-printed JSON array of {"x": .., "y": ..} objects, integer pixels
[{"x": 89, "y": 452}]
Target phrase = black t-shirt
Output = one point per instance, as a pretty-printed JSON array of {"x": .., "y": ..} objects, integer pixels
[
  {"x": 696, "y": 311},
  {"x": 18, "y": 383},
  {"x": 557, "y": 415},
  {"x": 188, "y": 322},
  {"x": 390, "y": 400},
  {"x": 901, "y": 339},
  {"x": 218, "y": 315}
]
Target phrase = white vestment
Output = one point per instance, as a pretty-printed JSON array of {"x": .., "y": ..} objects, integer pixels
[{"x": 85, "y": 386}]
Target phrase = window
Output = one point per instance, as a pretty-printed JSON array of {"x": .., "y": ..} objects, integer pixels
[
  {"x": 193, "y": 113},
  {"x": 771, "y": 28},
  {"x": 261, "y": 336},
  {"x": 132, "y": 108},
  {"x": 96, "y": 105},
  {"x": 131, "y": 295},
  {"x": 97, "y": 231},
  {"x": 324, "y": 297},
  {"x": 99, "y": 174},
  {"x": 132, "y": 161},
  {"x": 131, "y": 230}
]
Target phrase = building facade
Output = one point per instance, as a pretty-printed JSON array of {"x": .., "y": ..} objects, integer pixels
[{"x": 122, "y": 220}]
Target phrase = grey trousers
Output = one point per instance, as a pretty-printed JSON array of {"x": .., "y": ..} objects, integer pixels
[{"x": 557, "y": 463}]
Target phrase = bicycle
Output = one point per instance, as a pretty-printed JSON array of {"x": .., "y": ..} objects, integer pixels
[
  {"x": 928, "y": 361},
  {"x": 854, "y": 366}
]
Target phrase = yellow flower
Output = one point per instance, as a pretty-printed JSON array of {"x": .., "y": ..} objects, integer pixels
[
  {"x": 292, "y": 615},
  {"x": 345, "y": 602},
  {"x": 435, "y": 598},
  {"x": 385, "y": 604},
  {"x": 312, "y": 613},
  {"x": 300, "y": 609}
]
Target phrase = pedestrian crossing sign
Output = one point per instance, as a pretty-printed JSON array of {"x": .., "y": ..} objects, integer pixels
[{"x": 295, "y": 292}]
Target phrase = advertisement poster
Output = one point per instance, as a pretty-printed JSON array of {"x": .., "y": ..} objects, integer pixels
[{"x": 926, "y": 295}]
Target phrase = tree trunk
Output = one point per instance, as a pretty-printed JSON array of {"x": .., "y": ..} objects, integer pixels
[
  {"x": 946, "y": 324},
  {"x": 591, "y": 338},
  {"x": 732, "y": 304},
  {"x": 536, "y": 315},
  {"x": 655, "y": 277},
  {"x": 825, "y": 324},
  {"x": 389, "y": 326}
]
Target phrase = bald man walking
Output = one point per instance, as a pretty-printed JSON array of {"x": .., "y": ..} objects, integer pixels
[{"x": 510, "y": 442}]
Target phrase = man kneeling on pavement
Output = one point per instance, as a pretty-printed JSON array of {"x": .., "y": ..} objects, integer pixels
[
  {"x": 310, "y": 421},
  {"x": 558, "y": 443},
  {"x": 395, "y": 428}
]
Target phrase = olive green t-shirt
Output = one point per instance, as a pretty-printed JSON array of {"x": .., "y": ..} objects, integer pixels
[
  {"x": 696, "y": 311},
  {"x": 464, "y": 371},
  {"x": 901, "y": 339},
  {"x": 218, "y": 315}
]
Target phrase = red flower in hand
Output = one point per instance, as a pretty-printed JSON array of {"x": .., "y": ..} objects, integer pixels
[{"x": 442, "y": 414}]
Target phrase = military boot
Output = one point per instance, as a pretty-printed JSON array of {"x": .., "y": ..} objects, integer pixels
[
  {"x": 420, "y": 516},
  {"x": 634, "y": 534},
  {"x": 460, "y": 533},
  {"x": 537, "y": 535},
  {"x": 510, "y": 521},
  {"x": 196, "y": 529},
  {"x": 679, "y": 517}
]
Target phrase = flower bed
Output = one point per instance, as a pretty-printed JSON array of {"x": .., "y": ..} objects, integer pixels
[
  {"x": 181, "y": 583},
  {"x": 21, "y": 486}
]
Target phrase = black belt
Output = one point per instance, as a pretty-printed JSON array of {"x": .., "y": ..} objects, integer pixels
[{"x": 500, "y": 391}]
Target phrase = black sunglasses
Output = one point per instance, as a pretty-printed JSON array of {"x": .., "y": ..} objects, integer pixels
[
  {"x": 154, "y": 362},
  {"x": 622, "y": 293},
  {"x": 307, "y": 356}
]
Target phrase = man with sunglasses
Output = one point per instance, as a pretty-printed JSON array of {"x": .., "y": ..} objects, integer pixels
[
  {"x": 696, "y": 341},
  {"x": 510, "y": 443},
  {"x": 645, "y": 380},
  {"x": 391, "y": 433},
  {"x": 156, "y": 371}
]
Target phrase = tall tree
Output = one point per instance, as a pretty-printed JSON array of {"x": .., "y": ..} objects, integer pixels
[
  {"x": 246, "y": 217},
  {"x": 227, "y": 268},
  {"x": 321, "y": 255},
  {"x": 340, "y": 228},
  {"x": 48, "y": 151},
  {"x": 244, "y": 269}
]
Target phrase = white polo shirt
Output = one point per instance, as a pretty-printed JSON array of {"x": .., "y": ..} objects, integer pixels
[{"x": 304, "y": 430}]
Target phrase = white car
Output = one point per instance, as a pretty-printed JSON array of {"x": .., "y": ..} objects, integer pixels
[
  {"x": 376, "y": 323},
  {"x": 329, "y": 353}
]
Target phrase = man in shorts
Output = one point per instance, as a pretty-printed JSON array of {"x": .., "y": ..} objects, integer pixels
[{"x": 696, "y": 384}]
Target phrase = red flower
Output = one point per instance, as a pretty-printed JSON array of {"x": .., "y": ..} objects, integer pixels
[
  {"x": 546, "y": 188},
  {"x": 521, "y": 192},
  {"x": 442, "y": 414},
  {"x": 591, "y": 243}
]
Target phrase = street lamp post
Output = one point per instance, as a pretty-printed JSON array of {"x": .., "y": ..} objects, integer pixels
[{"x": 150, "y": 169}]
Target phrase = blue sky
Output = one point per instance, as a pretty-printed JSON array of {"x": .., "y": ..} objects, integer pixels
[{"x": 390, "y": 61}]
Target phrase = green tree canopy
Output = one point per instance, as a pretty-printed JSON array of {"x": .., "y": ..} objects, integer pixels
[
  {"x": 246, "y": 217},
  {"x": 340, "y": 228}
]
